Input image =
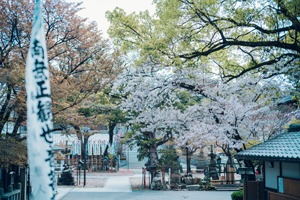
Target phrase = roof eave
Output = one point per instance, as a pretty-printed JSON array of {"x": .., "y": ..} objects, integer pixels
[{"x": 270, "y": 159}]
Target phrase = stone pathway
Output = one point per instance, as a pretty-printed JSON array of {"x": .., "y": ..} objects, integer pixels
[
  {"x": 117, "y": 184},
  {"x": 113, "y": 184},
  {"x": 61, "y": 192}
]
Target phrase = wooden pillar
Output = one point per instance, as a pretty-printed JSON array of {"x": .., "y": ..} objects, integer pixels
[
  {"x": 111, "y": 164},
  {"x": 88, "y": 160},
  {"x": 97, "y": 163},
  {"x": 92, "y": 163},
  {"x": 5, "y": 177},
  {"x": 257, "y": 190},
  {"x": 103, "y": 164},
  {"x": 109, "y": 161},
  {"x": 23, "y": 182},
  {"x": 100, "y": 164},
  {"x": 244, "y": 190}
]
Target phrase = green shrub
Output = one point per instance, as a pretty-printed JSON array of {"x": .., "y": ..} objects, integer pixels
[
  {"x": 237, "y": 195},
  {"x": 200, "y": 181},
  {"x": 207, "y": 179}
]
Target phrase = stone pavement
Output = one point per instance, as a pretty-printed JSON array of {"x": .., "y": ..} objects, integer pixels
[
  {"x": 119, "y": 183},
  {"x": 149, "y": 195},
  {"x": 113, "y": 183},
  {"x": 62, "y": 191},
  {"x": 118, "y": 187}
]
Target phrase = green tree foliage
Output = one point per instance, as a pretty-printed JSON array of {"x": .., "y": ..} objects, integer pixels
[
  {"x": 168, "y": 158},
  {"x": 186, "y": 100},
  {"x": 237, "y": 37}
]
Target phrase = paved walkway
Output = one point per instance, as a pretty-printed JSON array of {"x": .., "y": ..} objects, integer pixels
[
  {"x": 61, "y": 192},
  {"x": 119, "y": 184},
  {"x": 113, "y": 184},
  {"x": 150, "y": 195}
]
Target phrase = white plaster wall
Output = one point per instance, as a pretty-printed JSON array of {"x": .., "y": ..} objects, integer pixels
[
  {"x": 290, "y": 170},
  {"x": 271, "y": 175}
]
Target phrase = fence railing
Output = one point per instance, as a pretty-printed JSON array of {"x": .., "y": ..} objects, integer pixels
[
  {"x": 11, "y": 194},
  {"x": 92, "y": 165}
]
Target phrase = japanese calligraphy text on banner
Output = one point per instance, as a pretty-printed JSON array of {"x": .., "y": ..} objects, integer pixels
[{"x": 39, "y": 116}]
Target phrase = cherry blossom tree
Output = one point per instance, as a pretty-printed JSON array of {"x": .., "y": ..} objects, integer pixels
[
  {"x": 227, "y": 114},
  {"x": 233, "y": 61}
]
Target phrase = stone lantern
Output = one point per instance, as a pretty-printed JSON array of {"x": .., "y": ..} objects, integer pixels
[{"x": 212, "y": 171}]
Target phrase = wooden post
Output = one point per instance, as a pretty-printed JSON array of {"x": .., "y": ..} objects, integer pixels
[
  {"x": 92, "y": 160},
  {"x": 103, "y": 164},
  {"x": 23, "y": 183},
  {"x": 111, "y": 164},
  {"x": 108, "y": 164},
  {"x": 257, "y": 184},
  {"x": 244, "y": 190},
  {"x": 97, "y": 164}
]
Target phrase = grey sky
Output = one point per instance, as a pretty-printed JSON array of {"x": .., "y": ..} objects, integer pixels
[{"x": 95, "y": 9}]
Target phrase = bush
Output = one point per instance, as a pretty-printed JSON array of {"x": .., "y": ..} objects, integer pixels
[
  {"x": 237, "y": 195},
  {"x": 207, "y": 179},
  {"x": 207, "y": 186}
]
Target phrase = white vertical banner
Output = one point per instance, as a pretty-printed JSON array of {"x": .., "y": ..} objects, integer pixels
[
  {"x": 90, "y": 148},
  {"x": 103, "y": 147},
  {"x": 78, "y": 147},
  {"x": 94, "y": 148},
  {"x": 73, "y": 147},
  {"x": 39, "y": 116},
  {"x": 98, "y": 147}
]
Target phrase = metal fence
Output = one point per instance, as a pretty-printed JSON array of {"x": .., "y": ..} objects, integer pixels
[{"x": 93, "y": 164}]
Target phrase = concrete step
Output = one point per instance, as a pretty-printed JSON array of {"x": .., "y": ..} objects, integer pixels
[
  {"x": 227, "y": 185},
  {"x": 192, "y": 187},
  {"x": 227, "y": 189}
]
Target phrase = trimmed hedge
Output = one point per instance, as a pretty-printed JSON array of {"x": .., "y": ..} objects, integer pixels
[{"x": 237, "y": 195}]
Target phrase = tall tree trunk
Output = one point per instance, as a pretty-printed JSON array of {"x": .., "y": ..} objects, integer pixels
[
  {"x": 5, "y": 107},
  {"x": 111, "y": 127},
  {"x": 5, "y": 119},
  {"x": 106, "y": 151},
  {"x": 17, "y": 124},
  {"x": 189, "y": 163},
  {"x": 153, "y": 156},
  {"x": 83, "y": 143}
]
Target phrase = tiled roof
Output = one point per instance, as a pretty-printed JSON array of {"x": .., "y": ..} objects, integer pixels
[{"x": 284, "y": 147}]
